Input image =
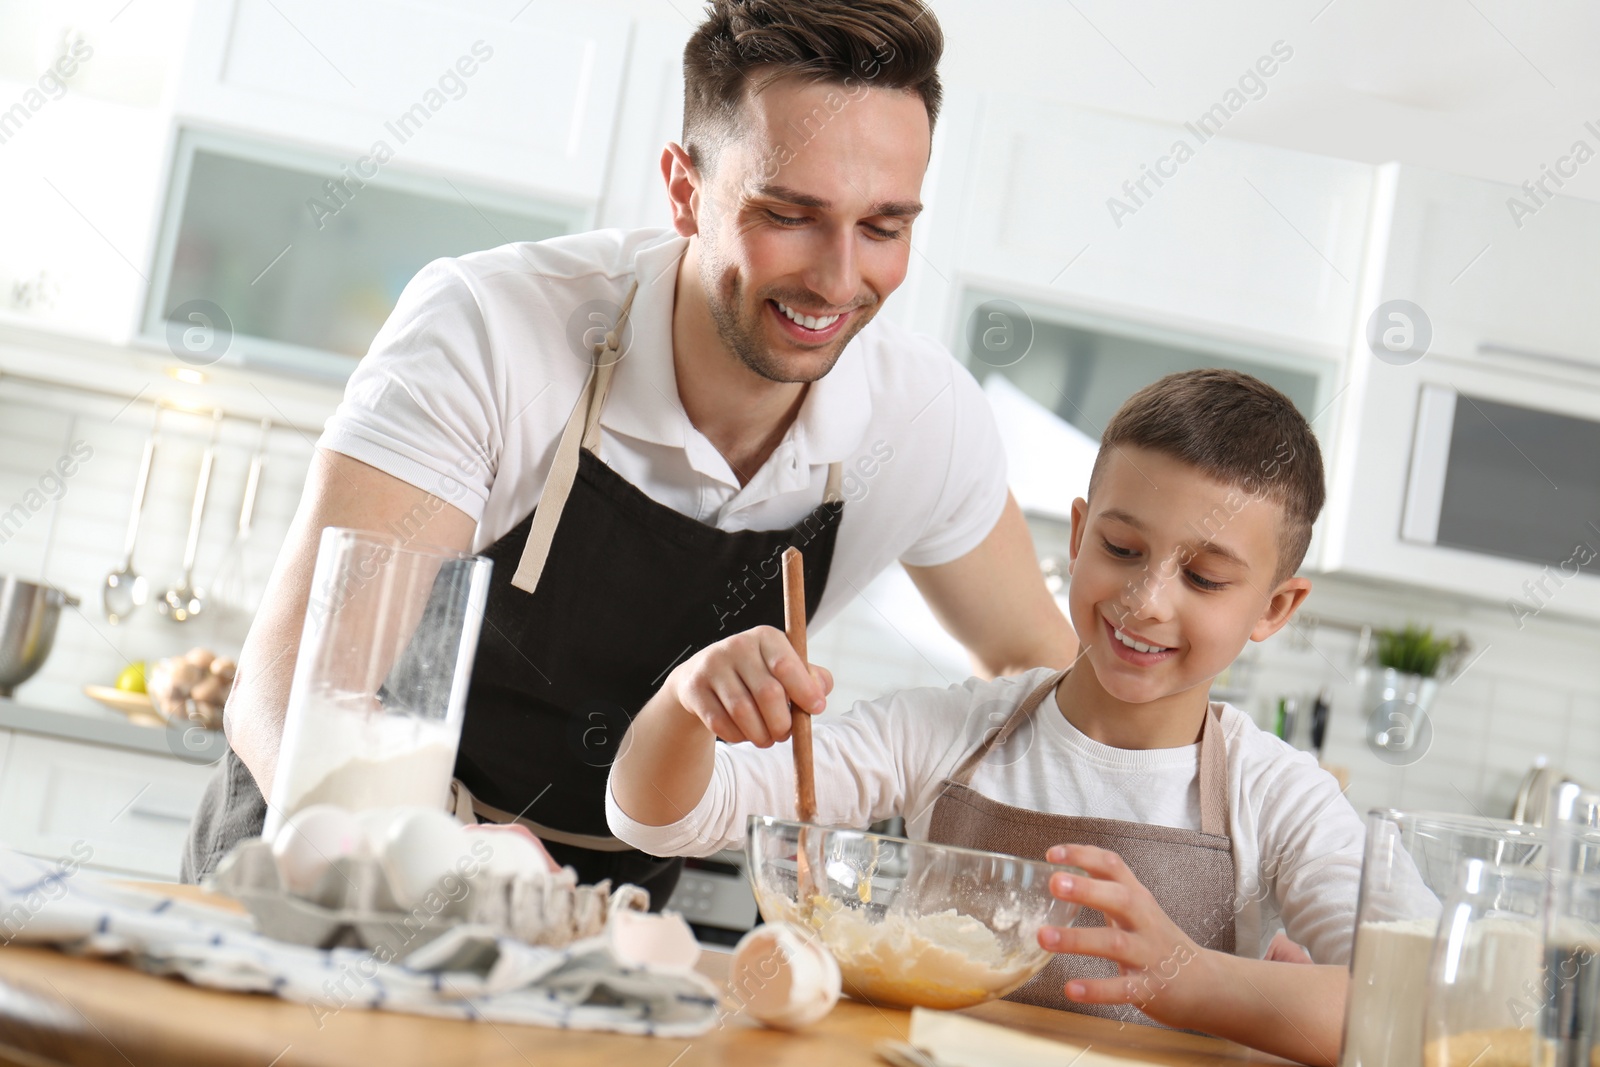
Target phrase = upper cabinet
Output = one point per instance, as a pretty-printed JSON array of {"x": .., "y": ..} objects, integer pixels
[
  {"x": 526, "y": 101},
  {"x": 1169, "y": 224},
  {"x": 1502, "y": 272}
]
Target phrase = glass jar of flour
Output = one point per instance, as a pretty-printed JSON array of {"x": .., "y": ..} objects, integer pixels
[
  {"x": 380, "y": 686},
  {"x": 1412, "y": 865}
]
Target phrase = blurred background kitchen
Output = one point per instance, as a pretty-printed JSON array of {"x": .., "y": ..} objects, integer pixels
[{"x": 207, "y": 209}]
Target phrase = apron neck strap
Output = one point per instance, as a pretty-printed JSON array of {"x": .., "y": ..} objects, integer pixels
[
  {"x": 582, "y": 431},
  {"x": 1213, "y": 770},
  {"x": 962, "y": 775}
]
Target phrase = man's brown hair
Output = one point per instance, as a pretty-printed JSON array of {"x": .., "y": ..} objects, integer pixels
[
  {"x": 1238, "y": 430},
  {"x": 745, "y": 45}
]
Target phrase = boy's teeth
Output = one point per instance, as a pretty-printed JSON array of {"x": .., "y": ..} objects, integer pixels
[
  {"x": 1137, "y": 646},
  {"x": 810, "y": 322}
]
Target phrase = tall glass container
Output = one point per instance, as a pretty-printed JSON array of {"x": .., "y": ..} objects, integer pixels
[
  {"x": 1569, "y": 1021},
  {"x": 380, "y": 686},
  {"x": 1410, "y": 866},
  {"x": 1483, "y": 996}
]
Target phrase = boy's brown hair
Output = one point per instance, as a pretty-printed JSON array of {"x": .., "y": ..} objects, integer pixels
[
  {"x": 1238, "y": 430},
  {"x": 745, "y": 45}
]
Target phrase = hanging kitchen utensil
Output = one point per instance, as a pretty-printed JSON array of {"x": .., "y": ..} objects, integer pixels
[
  {"x": 231, "y": 588},
  {"x": 183, "y": 601},
  {"x": 125, "y": 588}
]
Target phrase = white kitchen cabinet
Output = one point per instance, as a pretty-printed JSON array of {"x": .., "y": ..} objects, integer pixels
[
  {"x": 651, "y": 114},
  {"x": 1496, "y": 273},
  {"x": 527, "y": 102},
  {"x": 1241, "y": 241},
  {"x": 75, "y": 232},
  {"x": 131, "y": 809}
]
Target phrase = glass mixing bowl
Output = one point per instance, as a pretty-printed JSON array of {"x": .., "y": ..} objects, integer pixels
[{"x": 912, "y": 924}]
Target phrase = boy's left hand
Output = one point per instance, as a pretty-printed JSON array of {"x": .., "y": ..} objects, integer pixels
[{"x": 1163, "y": 971}]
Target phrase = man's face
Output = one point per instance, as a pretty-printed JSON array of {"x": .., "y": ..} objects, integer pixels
[
  {"x": 1180, "y": 563},
  {"x": 809, "y": 208}
]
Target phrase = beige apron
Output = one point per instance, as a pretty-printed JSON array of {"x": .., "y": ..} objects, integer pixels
[{"x": 1190, "y": 872}]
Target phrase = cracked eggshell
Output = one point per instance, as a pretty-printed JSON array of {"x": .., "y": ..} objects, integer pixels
[
  {"x": 515, "y": 851},
  {"x": 661, "y": 942},
  {"x": 784, "y": 976}
]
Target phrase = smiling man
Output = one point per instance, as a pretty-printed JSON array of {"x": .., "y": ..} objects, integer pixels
[{"x": 634, "y": 425}]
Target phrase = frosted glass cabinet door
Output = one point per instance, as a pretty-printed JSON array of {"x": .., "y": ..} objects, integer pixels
[
  {"x": 302, "y": 263},
  {"x": 1083, "y": 367}
]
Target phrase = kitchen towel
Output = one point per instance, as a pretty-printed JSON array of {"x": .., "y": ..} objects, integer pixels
[{"x": 466, "y": 973}]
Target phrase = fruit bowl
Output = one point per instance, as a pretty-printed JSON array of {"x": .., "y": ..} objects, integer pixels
[{"x": 911, "y": 923}]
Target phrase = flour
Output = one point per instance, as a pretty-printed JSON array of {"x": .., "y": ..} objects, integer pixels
[
  {"x": 1390, "y": 988},
  {"x": 337, "y": 752}
]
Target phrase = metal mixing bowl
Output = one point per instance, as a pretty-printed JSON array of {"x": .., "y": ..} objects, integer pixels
[
  {"x": 912, "y": 924},
  {"x": 28, "y": 616}
]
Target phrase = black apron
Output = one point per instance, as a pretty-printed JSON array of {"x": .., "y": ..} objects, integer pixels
[{"x": 596, "y": 595}]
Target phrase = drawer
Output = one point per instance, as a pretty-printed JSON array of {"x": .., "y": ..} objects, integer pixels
[{"x": 131, "y": 809}]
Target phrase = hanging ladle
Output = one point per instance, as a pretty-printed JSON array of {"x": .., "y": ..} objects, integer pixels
[
  {"x": 125, "y": 588},
  {"x": 183, "y": 601}
]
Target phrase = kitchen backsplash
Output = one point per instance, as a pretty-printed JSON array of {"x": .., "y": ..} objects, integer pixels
[{"x": 1528, "y": 690}]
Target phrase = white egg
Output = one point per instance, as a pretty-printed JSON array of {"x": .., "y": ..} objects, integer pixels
[
  {"x": 513, "y": 853},
  {"x": 784, "y": 976},
  {"x": 310, "y": 840},
  {"x": 422, "y": 848},
  {"x": 379, "y": 823}
]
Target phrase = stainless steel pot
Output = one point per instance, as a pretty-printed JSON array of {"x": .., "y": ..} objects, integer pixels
[{"x": 28, "y": 616}]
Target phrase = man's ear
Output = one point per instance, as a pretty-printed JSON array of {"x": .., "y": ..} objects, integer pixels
[
  {"x": 683, "y": 188},
  {"x": 1080, "y": 516},
  {"x": 1284, "y": 602}
]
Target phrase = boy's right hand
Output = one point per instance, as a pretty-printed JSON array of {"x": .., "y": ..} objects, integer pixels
[{"x": 741, "y": 687}]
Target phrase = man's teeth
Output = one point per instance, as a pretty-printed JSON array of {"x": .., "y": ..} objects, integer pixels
[
  {"x": 1137, "y": 646},
  {"x": 810, "y": 322}
]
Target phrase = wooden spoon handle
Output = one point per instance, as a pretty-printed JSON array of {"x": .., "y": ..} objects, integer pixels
[{"x": 794, "y": 626}]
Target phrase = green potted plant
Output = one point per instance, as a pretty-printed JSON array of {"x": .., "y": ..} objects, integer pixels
[{"x": 1410, "y": 662}]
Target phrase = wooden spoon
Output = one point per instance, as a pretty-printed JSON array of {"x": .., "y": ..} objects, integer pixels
[
  {"x": 794, "y": 627},
  {"x": 805, "y": 785}
]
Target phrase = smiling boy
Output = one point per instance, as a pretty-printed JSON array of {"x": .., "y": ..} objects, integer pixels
[{"x": 1201, "y": 835}]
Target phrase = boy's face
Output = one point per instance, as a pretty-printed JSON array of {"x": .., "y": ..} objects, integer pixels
[{"x": 1171, "y": 559}]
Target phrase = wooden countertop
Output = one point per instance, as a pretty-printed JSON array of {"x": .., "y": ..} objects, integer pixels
[{"x": 57, "y": 1009}]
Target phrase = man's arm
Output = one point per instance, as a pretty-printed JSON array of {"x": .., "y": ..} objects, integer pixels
[
  {"x": 994, "y": 602},
  {"x": 339, "y": 491}
]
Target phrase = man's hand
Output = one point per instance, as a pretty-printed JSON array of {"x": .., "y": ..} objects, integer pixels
[
  {"x": 742, "y": 686},
  {"x": 738, "y": 689},
  {"x": 1163, "y": 972}
]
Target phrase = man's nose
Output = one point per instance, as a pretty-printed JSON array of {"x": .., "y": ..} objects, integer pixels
[{"x": 835, "y": 273}]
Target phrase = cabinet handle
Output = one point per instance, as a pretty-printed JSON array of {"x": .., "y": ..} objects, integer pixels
[{"x": 158, "y": 813}]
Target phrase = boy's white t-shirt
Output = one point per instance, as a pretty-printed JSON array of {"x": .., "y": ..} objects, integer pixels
[{"x": 1297, "y": 842}]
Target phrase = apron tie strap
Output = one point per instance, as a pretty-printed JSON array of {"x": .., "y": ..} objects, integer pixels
[{"x": 582, "y": 431}]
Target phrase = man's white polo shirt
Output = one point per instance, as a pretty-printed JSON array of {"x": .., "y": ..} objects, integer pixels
[{"x": 467, "y": 387}]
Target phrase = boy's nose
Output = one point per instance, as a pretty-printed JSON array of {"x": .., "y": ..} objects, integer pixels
[{"x": 1147, "y": 597}]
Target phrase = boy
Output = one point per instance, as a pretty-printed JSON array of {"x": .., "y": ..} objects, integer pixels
[{"x": 1199, "y": 832}]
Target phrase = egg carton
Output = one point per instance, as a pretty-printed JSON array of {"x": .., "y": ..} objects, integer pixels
[{"x": 354, "y": 904}]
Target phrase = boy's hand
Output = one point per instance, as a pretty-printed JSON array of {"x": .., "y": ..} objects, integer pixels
[
  {"x": 741, "y": 687},
  {"x": 1163, "y": 972}
]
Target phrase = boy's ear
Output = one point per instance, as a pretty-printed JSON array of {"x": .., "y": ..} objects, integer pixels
[
  {"x": 1080, "y": 515},
  {"x": 1284, "y": 602}
]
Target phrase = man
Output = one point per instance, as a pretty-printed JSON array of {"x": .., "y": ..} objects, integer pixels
[{"x": 634, "y": 425}]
